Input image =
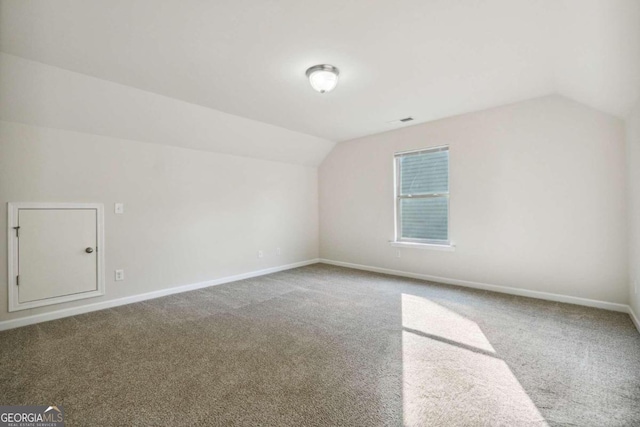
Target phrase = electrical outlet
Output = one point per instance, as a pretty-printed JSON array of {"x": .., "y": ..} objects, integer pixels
[
  {"x": 119, "y": 208},
  {"x": 260, "y": 254},
  {"x": 278, "y": 251},
  {"x": 398, "y": 254},
  {"x": 119, "y": 275}
]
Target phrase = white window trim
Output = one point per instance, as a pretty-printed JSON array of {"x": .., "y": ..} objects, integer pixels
[
  {"x": 398, "y": 241},
  {"x": 431, "y": 246},
  {"x": 12, "y": 248}
]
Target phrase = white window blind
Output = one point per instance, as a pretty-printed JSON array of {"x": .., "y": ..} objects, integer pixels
[{"x": 422, "y": 196}]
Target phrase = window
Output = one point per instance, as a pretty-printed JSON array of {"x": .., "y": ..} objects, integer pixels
[{"x": 422, "y": 196}]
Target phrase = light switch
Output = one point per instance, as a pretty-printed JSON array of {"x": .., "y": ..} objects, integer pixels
[{"x": 119, "y": 209}]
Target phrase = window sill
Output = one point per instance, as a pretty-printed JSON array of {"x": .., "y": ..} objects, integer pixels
[{"x": 446, "y": 248}]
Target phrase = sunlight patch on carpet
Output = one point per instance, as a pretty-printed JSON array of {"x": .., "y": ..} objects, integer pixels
[{"x": 453, "y": 376}]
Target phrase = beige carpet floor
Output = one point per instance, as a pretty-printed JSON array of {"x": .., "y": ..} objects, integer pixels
[{"x": 329, "y": 346}]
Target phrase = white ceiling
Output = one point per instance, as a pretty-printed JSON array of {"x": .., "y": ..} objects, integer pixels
[
  {"x": 41, "y": 95},
  {"x": 598, "y": 53},
  {"x": 423, "y": 58}
]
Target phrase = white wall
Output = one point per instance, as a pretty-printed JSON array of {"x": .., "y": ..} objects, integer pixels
[
  {"x": 633, "y": 167},
  {"x": 190, "y": 216},
  {"x": 537, "y": 200}
]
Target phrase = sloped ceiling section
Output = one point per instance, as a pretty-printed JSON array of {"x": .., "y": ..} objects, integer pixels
[
  {"x": 598, "y": 53},
  {"x": 425, "y": 59},
  {"x": 43, "y": 95}
]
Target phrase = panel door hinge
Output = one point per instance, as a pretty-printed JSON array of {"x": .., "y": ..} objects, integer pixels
[
  {"x": 17, "y": 231},
  {"x": 18, "y": 280}
]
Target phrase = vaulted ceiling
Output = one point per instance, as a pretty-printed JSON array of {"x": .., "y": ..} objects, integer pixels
[{"x": 422, "y": 58}]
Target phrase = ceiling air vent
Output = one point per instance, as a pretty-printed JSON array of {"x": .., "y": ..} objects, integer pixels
[{"x": 400, "y": 121}]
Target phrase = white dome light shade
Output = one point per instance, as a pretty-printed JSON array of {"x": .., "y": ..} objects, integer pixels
[{"x": 323, "y": 78}]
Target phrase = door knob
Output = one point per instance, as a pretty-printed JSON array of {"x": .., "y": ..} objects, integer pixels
[{"x": 89, "y": 250}]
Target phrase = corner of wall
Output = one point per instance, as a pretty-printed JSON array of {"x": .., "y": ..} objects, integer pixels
[{"x": 632, "y": 139}]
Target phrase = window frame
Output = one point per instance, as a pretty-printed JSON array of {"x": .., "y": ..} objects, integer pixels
[{"x": 398, "y": 197}]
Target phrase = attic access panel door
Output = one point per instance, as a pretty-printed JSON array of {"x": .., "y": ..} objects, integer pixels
[{"x": 56, "y": 253}]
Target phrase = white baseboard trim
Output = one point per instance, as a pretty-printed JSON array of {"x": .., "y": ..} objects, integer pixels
[
  {"x": 58, "y": 314},
  {"x": 484, "y": 286},
  {"x": 634, "y": 318}
]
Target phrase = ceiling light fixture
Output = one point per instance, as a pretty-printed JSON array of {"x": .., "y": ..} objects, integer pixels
[{"x": 323, "y": 78}]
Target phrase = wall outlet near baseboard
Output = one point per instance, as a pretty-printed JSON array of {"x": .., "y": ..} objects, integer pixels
[
  {"x": 278, "y": 251},
  {"x": 260, "y": 254},
  {"x": 119, "y": 275},
  {"x": 398, "y": 254}
]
